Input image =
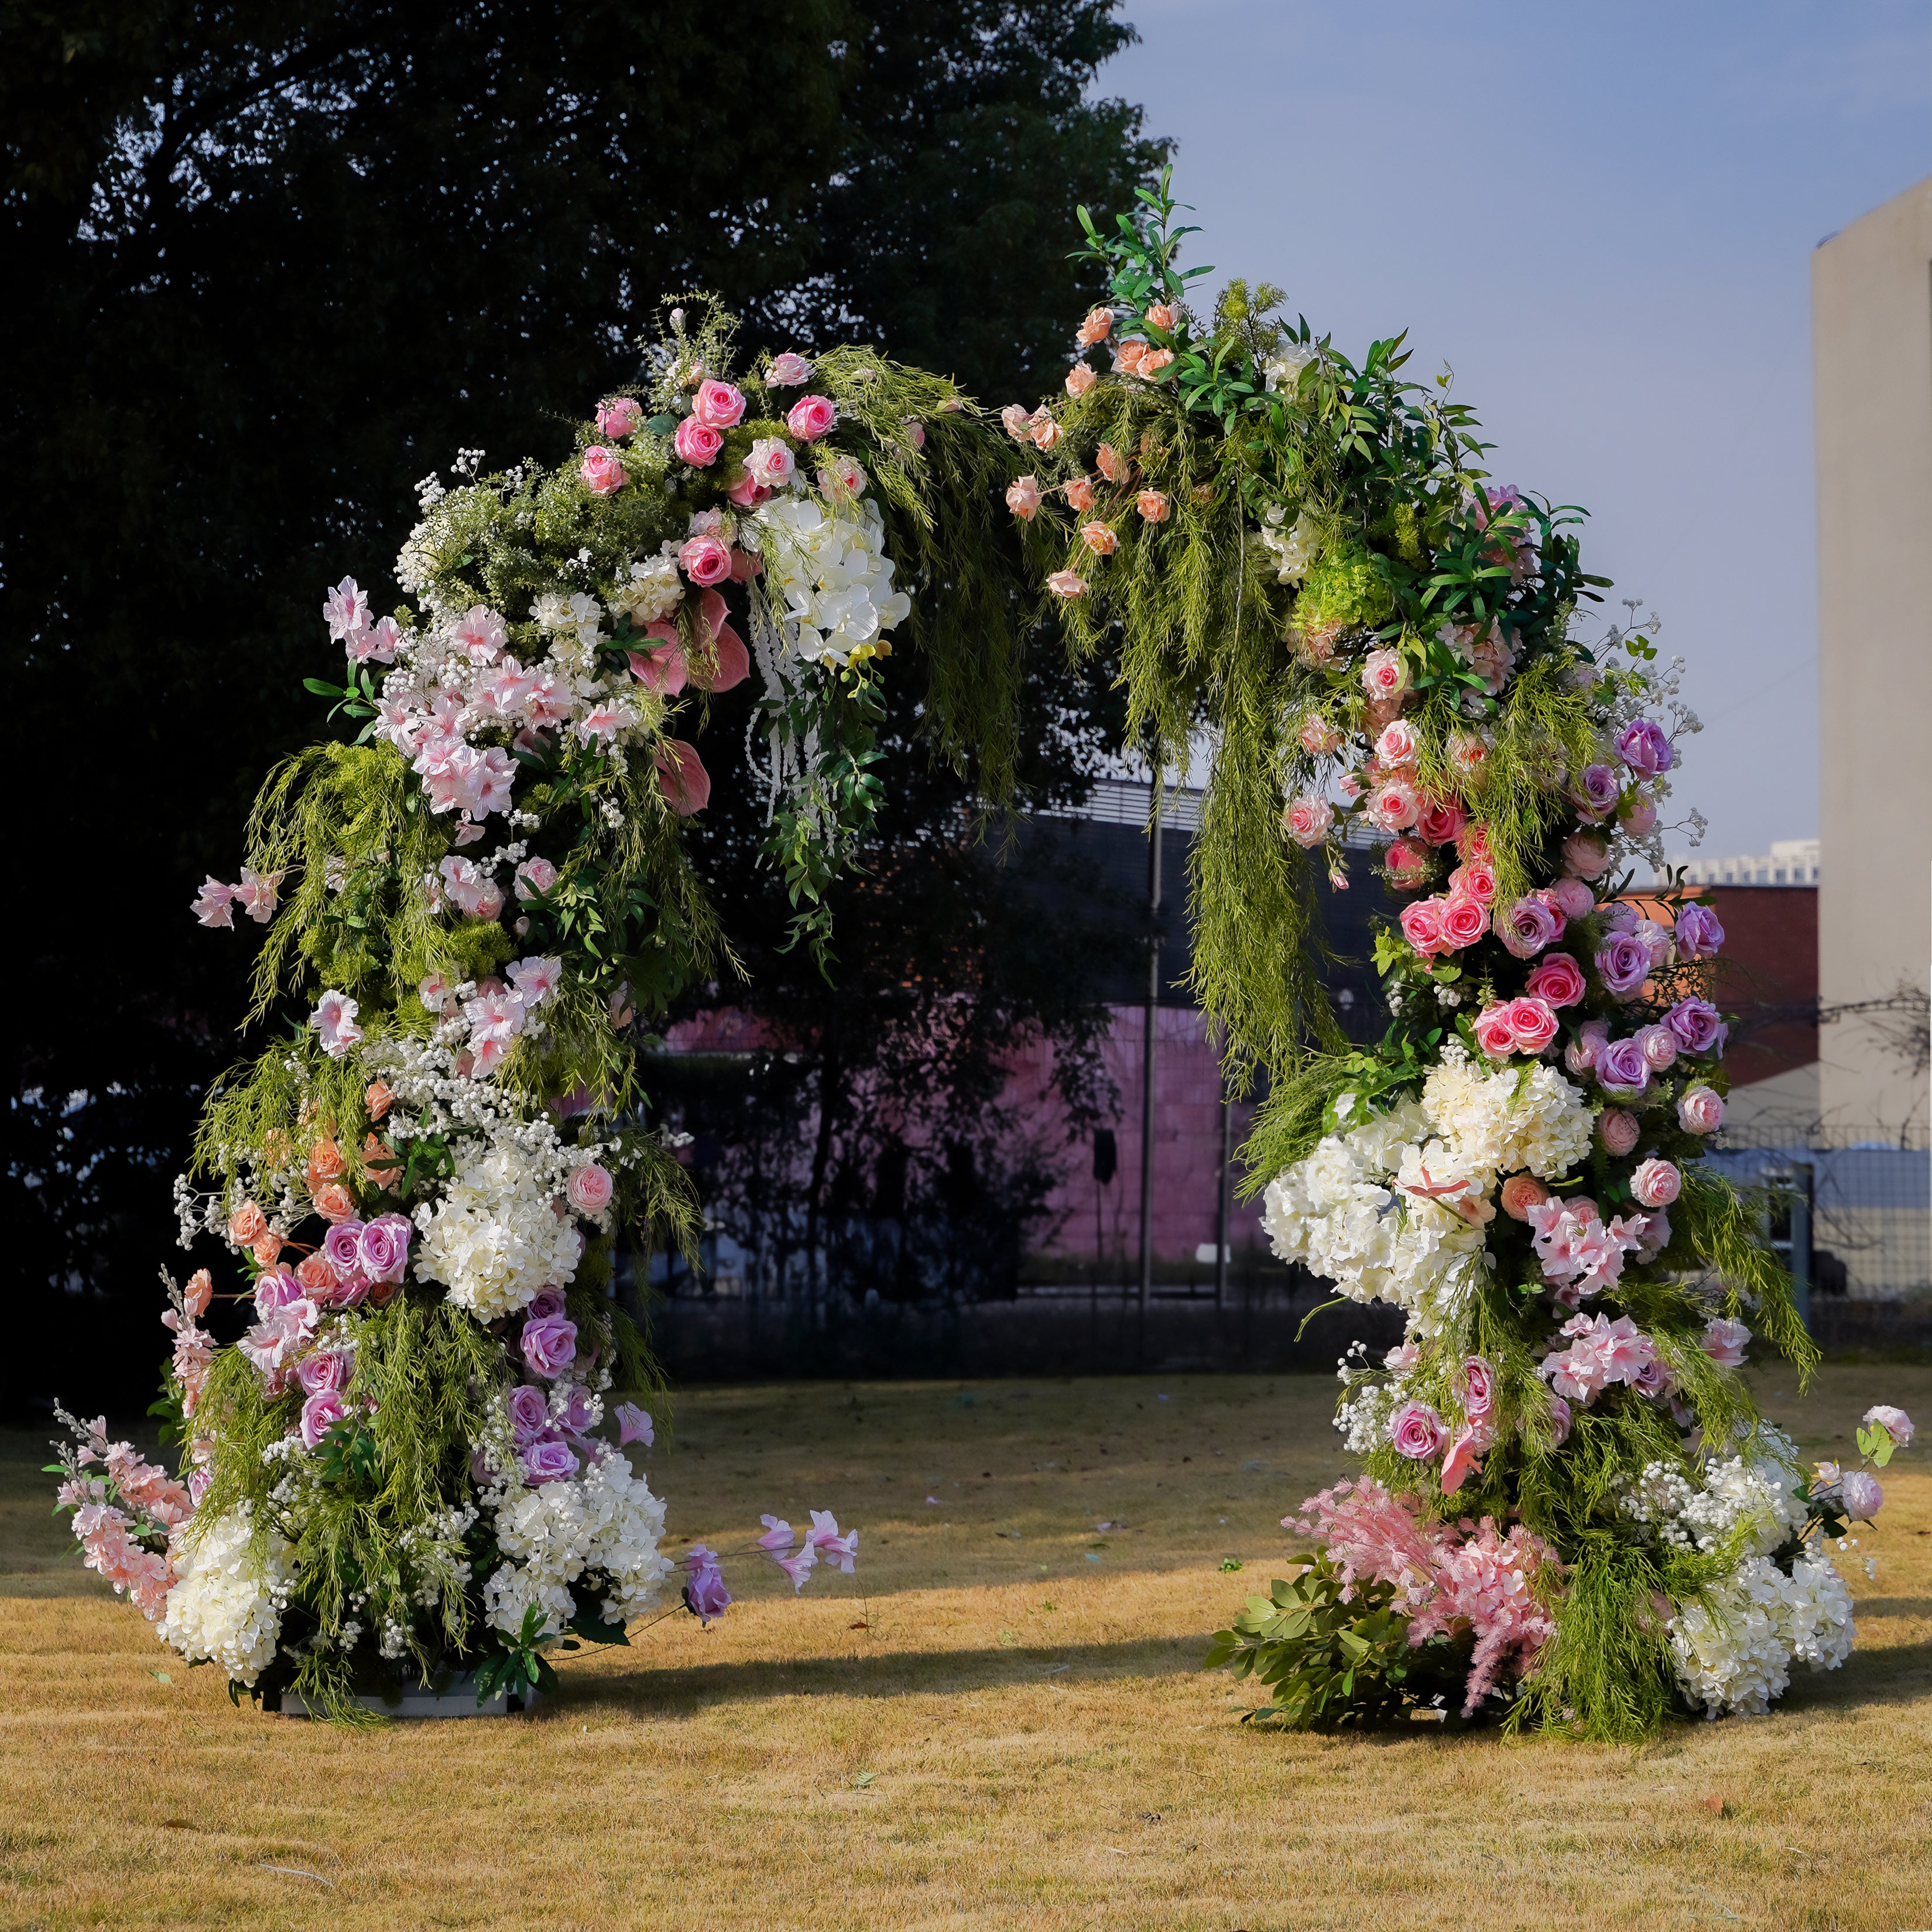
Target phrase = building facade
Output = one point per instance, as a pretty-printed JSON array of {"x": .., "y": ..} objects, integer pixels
[
  {"x": 1871, "y": 306},
  {"x": 1790, "y": 862}
]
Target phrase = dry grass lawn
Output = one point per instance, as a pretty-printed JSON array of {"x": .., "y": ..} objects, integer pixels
[{"x": 1001, "y": 1723}]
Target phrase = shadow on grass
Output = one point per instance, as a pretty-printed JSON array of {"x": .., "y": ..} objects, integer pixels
[{"x": 680, "y": 1690}]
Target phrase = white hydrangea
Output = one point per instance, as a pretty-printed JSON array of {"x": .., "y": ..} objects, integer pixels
[
  {"x": 494, "y": 1240},
  {"x": 652, "y": 590},
  {"x": 1340, "y": 1212},
  {"x": 1734, "y": 1647},
  {"x": 602, "y": 1526},
  {"x": 828, "y": 570},
  {"x": 1502, "y": 1122},
  {"x": 1292, "y": 548},
  {"x": 228, "y": 1597}
]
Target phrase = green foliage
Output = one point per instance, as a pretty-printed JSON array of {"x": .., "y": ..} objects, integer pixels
[{"x": 1331, "y": 1663}]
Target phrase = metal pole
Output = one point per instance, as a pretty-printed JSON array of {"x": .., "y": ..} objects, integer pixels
[
  {"x": 1147, "y": 1051},
  {"x": 1223, "y": 1207}
]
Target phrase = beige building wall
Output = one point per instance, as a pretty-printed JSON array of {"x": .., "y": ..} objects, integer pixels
[{"x": 1871, "y": 310}]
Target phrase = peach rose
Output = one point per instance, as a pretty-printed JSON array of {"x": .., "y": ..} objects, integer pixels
[
  {"x": 316, "y": 1275},
  {"x": 1080, "y": 494},
  {"x": 325, "y": 1161},
  {"x": 267, "y": 1248},
  {"x": 380, "y": 1162},
  {"x": 1468, "y": 753},
  {"x": 334, "y": 1202},
  {"x": 1161, "y": 315},
  {"x": 246, "y": 1224},
  {"x": 1127, "y": 357},
  {"x": 1098, "y": 539},
  {"x": 1080, "y": 379},
  {"x": 1023, "y": 497},
  {"x": 1153, "y": 361},
  {"x": 1045, "y": 432},
  {"x": 1016, "y": 421},
  {"x": 1114, "y": 466},
  {"x": 376, "y": 1097},
  {"x": 1520, "y": 1193},
  {"x": 1067, "y": 584},
  {"x": 1319, "y": 738},
  {"x": 1098, "y": 326},
  {"x": 1153, "y": 506},
  {"x": 199, "y": 1293}
]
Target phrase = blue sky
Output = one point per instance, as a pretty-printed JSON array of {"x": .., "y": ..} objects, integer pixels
[{"x": 1602, "y": 216}]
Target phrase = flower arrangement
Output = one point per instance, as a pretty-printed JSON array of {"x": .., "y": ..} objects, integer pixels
[
  {"x": 403, "y": 1464},
  {"x": 1308, "y": 572}
]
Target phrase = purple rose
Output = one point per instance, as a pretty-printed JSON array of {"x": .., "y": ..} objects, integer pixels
[
  {"x": 577, "y": 1417},
  {"x": 529, "y": 1414},
  {"x": 1624, "y": 964},
  {"x": 1643, "y": 747},
  {"x": 1597, "y": 791},
  {"x": 275, "y": 1288},
  {"x": 1527, "y": 926},
  {"x": 1699, "y": 934},
  {"x": 705, "y": 1595},
  {"x": 1477, "y": 1381},
  {"x": 1653, "y": 1378},
  {"x": 319, "y": 1415},
  {"x": 1622, "y": 1069},
  {"x": 1697, "y": 1027},
  {"x": 550, "y": 1345},
  {"x": 384, "y": 1247},
  {"x": 546, "y": 1301},
  {"x": 547, "y": 1458},
  {"x": 1559, "y": 1417},
  {"x": 340, "y": 1247}
]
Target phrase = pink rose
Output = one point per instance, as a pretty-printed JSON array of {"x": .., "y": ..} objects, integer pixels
[
  {"x": 1520, "y": 1193},
  {"x": 1317, "y": 737},
  {"x": 1398, "y": 744},
  {"x": 1441, "y": 820},
  {"x": 1407, "y": 866},
  {"x": 1572, "y": 898},
  {"x": 382, "y": 1249},
  {"x": 602, "y": 470},
  {"x": 1382, "y": 674},
  {"x": 1422, "y": 925},
  {"x": 1494, "y": 1033},
  {"x": 618, "y": 416},
  {"x": 1308, "y": 818},
  {"x": 1700, "y": 1110},
  {"x": 1393, "y": 804},
  {"x": 810, "y": 417},
  {"x": 1557, "y": 979},
  {"x": 1864, "y": 1495},
  {"x": 1476, "y": 1383},
  {"x": 1658, "y": 1046},
  {"x": 1080, "y": 379},
  {"x": 534, "y": 877},
  {"x": 704, "y": 560},
  {"x": 1656, "y": 1183},
  {"x": 1476, "y": 879},
  {"x": 1023, "y": 497},
  {"x": 682, "y": 778},
  {"x": 718, "y": 405},
  {"x": 1725, "y": 1342},
  {"x": 1416, "y": 1431},
  {"x": 697, "y": 442},
  {"x": 1069, "y": 584},
  {"x": 1559, "y": 1419},
  {"x": 1587, "y": 854},
  {"x": 1592, "y": 1036},
  {"x": 1638, "y": 814},
  {"x": 589, "y": 1188},
  {"x": 1017, "y": 423},
  {"x": 1464, "y": 921},
  {"x": 788, "y": 370},
  {"x": 1617, "y": 1129},
  {"x": 1894, "y": 1422},
  {"x": 1532, "y": 1024},
  {"x": 1468, "y": 752},
  {"x": 771, "y": 465}
]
